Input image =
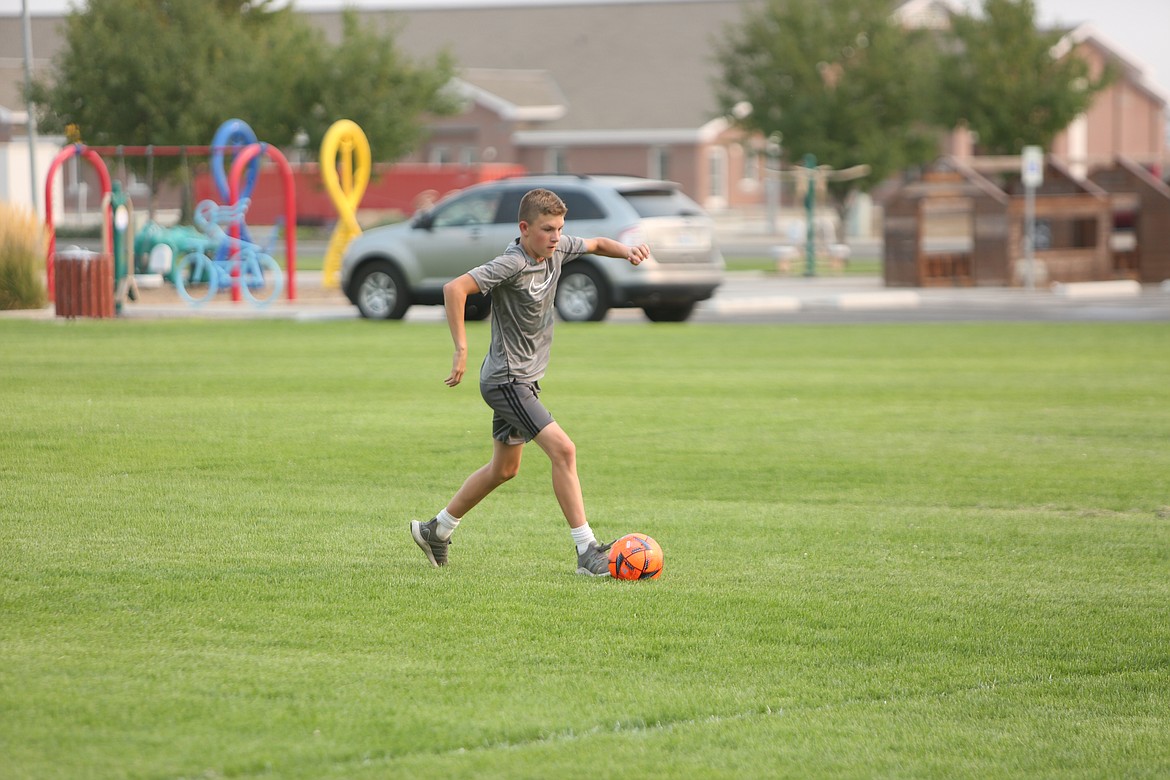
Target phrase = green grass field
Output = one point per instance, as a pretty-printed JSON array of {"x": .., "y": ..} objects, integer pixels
[{"x": 891, "y": 551}]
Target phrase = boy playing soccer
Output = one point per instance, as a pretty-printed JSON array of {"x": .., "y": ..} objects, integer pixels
[{"x": 523, "y": 285}]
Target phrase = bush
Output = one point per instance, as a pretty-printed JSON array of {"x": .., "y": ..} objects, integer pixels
[{"x": 22, "y": 259}]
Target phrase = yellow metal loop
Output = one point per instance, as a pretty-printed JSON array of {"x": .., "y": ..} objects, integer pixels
[{"x": 344, "y": 147}]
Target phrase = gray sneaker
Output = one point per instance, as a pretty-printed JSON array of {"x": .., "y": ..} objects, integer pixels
[
  {"x": 595, "y": 560},
  {"x": 434, "y": 547}
]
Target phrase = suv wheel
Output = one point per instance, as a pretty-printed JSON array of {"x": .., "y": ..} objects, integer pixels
[
  {"x": 581, "y": 295},
  {"x": 381, "y": 293},
  {"x": 478, "y": 307},
  {"x": 669, "y": 312}
]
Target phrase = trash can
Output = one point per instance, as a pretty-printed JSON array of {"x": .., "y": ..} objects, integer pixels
[{"x": 83, "y": 284}]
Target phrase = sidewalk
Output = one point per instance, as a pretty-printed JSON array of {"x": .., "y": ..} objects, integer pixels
[
  {"x": 747, "y": 296},
  {"x": 758, "y": 296},
  {"x": 313, "y": 302}
]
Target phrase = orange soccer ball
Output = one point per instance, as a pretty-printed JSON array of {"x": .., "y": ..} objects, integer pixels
[{"x": 635, "y": 557}]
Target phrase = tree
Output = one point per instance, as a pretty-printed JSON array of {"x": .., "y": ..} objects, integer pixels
[
  {"x": 1003, "y": 79},
  {"x": 148, "y": 72},
  {"x": 370, "y": 81},
  {"x": 839, "y": 79},
  {"x": 136, "y": 72}
]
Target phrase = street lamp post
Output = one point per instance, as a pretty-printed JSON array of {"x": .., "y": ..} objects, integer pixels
[
  {"x": 31, "y": 129},
  {"x": 810, "y": 209}
]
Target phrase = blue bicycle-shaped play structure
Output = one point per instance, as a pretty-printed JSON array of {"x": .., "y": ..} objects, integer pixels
[{"x": 235, "y": 260}]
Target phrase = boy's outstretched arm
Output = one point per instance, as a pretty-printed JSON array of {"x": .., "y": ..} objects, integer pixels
[
  {"x": 455, "y": 294},
  {"x": 607, "y": 247}
]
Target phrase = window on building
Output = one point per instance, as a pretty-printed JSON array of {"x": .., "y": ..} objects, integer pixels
[
  {"x": 752, "y": 164},
  {"x": 557, "y": 160},
  {"x": 716, "y": 177},
  {"x": 659, "y": 164}
]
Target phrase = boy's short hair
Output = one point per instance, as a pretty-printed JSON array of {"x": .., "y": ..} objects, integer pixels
[{"x": 538, "y": 203}]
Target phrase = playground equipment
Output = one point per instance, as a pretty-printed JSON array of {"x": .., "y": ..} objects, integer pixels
[
  {"x": 344, "y": 137},
  {"x": 248, "y": 157},
  {"x": 155, "y": 247},
  {"x": 94, "y": 159},
  {"x": 198, "y": 277},
  {"x": 122, "y": 215},
  {"x": 233, "y": 135},
  {"x": 159, "y": 250},
  {"x": 812, "y": 180}
]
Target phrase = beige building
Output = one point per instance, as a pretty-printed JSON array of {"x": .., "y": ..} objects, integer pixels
[
  {"x": 622, "y": 87},
  {"x": 1128, "y": 119}
]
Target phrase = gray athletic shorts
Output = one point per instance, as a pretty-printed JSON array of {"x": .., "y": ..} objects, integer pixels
[{"x": 519, "y": 414}]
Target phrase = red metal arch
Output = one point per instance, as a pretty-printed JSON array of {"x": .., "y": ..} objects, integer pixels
[
  {"x": 95, "y": 159},
  {"x": 290, "y": 206}
]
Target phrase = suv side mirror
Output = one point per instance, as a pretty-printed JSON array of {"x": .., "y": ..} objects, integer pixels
[{"x": 423, "y": 220}]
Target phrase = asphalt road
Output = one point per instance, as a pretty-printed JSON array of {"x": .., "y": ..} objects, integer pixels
[
  {"x": 758, "y": 297},
  {"x": 763, "y": 297}
]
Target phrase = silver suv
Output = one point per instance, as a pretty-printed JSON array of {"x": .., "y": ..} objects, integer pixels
[{"x": 387, "y": 269}]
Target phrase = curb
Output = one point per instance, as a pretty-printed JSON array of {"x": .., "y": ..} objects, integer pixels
[
  {"x": 1123, "y": 288},
  {"x": 898, "y": 299}
]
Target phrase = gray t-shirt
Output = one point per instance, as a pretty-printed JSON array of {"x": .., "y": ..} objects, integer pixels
[{"x": 522, "y": 291}]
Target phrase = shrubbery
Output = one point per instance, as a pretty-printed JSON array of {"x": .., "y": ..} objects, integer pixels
[{"x": 22, "y": 259}]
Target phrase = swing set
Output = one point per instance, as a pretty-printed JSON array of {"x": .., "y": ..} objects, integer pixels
[{"x": 235, "y": 186}]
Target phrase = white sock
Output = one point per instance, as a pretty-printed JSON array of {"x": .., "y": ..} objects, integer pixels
[
  {"x": 446, "y": 525},
  {"x": 582, "y": 536}
]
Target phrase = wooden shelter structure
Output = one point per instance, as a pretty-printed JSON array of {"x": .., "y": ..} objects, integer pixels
[
  {"x": 1140, "y": 242},
  {"x": 961, "y": 225}
]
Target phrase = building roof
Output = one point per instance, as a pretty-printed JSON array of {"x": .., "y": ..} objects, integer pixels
[
  {"x": 1132, "y": 69},
  {"x": 515, "y": 95},
  {"x": 633, "y": 66}
]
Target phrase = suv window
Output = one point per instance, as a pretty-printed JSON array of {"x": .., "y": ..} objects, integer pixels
[
  {"x": 580, "y": 204},
  {"x": 476, "y": 208},
  {"x": 509, "y": 206},
  {"x": 662, "y": 203}
]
